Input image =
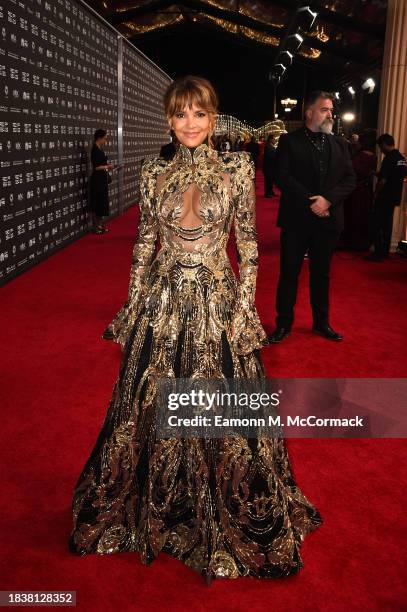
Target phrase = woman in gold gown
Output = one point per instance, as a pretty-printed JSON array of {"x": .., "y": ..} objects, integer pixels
[{"x": 226, "y": 507}]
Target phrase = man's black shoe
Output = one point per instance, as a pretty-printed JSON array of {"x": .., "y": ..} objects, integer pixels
[
  {"x": 279, "y": 334},
  {"x": 326, "y": 331}
]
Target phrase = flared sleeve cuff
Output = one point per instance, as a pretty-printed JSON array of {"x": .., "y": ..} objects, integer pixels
[
  {"x": 119, "y": 328},
  {"x": 247, "y": 331}
]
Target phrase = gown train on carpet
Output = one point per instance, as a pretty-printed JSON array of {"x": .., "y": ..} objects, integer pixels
[{"x": 230, "y": 505}]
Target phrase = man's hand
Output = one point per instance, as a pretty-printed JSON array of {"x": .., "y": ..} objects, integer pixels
[
  {"x": 320, "y": 206},
  {"x": 379, "y": 187}
]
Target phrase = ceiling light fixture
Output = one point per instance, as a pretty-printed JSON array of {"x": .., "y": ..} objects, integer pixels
[
  {"x": 279, "y": 69},
  {"x": 306, "y": 18},
  {"x": 369, "y": 84},
  {"x": 294, "y": 42},
  {"x": 287, "y": 58}
]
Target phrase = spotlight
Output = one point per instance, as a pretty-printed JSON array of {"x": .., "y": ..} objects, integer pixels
[
  {"x": 294, "y": 42},
  {"x": 287, "y": 58},
  {"x": 348, "y": 117},
  {"x": 369, "y": 84},
  {"x": 279, "y": 69},
  {"x": 351, "y": 91},
  {"x": 306, "y": 18}
]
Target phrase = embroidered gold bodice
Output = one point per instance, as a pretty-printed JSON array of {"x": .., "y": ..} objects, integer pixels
[
  {"x": 189, "y": 203},
  {"x": 194, "y": 213}
]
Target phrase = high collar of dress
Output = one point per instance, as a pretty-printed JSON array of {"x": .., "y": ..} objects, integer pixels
[{"x": 195, "y": 155}]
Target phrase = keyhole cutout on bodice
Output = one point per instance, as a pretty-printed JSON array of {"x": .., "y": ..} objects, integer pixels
[{"x": 190, "y": 212}]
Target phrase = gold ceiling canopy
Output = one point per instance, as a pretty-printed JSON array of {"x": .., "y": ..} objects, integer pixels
[
  {"x": 175, "y": 14},
  {"x": 345, "y": 30}
]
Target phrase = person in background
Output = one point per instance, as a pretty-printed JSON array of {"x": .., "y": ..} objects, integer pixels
[
  {"x": 225, "y": 145},
  {"x": 269, "y": 160},
  {"x": 218, "y": 141},
  {"x": 355, "y": 144},
  {"x": 358, "y": 205},
  {"x": 98, "y": 184},
  {"x": 389, "y": 188},
  {"x": 240, "y": 145},
  {"x": 234, "y": 143},
  {"x": 315, "y": 175},
  {"x": 253, "y": 148},
  {"x": 260, "y": 157}
]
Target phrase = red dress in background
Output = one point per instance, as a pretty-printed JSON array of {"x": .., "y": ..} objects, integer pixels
[{"x": 357, "y": 207}]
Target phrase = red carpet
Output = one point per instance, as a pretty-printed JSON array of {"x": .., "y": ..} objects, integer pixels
[{"x": 57, "y": 378}]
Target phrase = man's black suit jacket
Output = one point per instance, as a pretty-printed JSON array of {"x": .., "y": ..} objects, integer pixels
[{"x": 297, "y": 177}]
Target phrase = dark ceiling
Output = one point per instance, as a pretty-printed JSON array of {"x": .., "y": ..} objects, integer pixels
[{"x": 234, "y": 43}]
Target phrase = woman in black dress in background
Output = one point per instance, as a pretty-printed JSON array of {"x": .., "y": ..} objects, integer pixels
[{"x": 98, "y": 185}]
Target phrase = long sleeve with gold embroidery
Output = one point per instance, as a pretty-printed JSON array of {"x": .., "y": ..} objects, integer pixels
[
  {"x": 143, "y": 251},
  {"x": 248, "y": 333}
]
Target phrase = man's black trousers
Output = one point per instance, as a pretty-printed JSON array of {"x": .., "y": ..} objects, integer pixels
[
  {"x": 294, "y": 243},
  {"x": 268, "y": 182},
  {"x": 383, "y": 213}
]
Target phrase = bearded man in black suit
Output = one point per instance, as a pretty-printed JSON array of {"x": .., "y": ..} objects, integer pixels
[{"x": 315, "y": 174}]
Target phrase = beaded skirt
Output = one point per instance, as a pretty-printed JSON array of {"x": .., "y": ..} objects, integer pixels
[{"x": 228, "y": 505}]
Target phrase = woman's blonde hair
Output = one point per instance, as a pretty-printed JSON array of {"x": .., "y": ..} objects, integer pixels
[{"x": 189, "y": 90}]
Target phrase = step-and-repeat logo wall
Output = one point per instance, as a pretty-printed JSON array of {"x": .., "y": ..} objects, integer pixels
[
  {"x": 144, "y": 127},
  {"x": 59, "y": 82}
]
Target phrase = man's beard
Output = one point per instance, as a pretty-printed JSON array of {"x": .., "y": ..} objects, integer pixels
[{"x": 326, "y": 126}]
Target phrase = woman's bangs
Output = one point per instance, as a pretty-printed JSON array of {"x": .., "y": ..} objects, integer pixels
[{"x": 188, "y": 97}]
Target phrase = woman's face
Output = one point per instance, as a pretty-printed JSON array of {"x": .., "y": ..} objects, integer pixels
[
  {"x": 102, "y": 141},
  {"x": 192, "y": 125}
]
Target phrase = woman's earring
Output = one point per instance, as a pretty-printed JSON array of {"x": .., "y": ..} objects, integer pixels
[{"x": 173, "y": 136}]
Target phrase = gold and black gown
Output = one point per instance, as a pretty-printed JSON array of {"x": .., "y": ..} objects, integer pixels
[{"x": 230, "y": 505}]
